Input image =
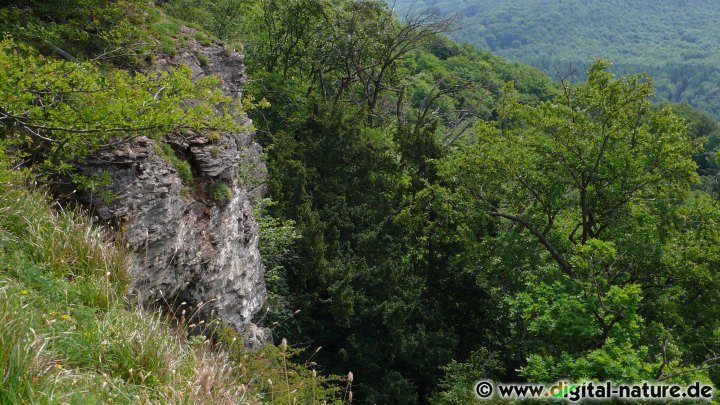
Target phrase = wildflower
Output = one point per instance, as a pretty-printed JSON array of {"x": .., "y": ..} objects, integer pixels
[
  {"x": 23, "y": 292},
  {"x": 58, "y": 366},
  {"x": 66, "y": 317}
]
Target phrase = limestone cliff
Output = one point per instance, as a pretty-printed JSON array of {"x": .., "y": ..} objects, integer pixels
[{"x": 188, "y": 247}]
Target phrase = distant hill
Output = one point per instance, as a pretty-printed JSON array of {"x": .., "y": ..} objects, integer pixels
[{"x": 676, "y": 41}]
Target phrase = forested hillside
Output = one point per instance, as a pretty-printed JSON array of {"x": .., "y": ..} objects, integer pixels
[
  {"x": 675, "y": 41},
  {"x": 435, "y": 214}
]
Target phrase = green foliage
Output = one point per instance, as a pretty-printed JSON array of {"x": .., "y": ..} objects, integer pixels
[
  {"x": 57, "y": 112},
  {"x": 221, "y": 17},
  {"x": 705, "y": 132},
  {"x": 686, "y": 307},
  {"x": 282, "y": 380},
  {"x": 567, "y": 35},
  {"x": 181, "y": 166},
  {"x": 460, "y": 377},
  {"x": 111, "y": 31},
  {"x": 220, "y": 192}
]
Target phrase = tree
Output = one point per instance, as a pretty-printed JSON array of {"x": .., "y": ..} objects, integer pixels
[
  {"x": 369, "y": 45},
  {"x": 589, "y": 156},
  {"x": 286, "y": 34},
  {"x": 592, "y": 178},
  {"x": 704, "y": 131}
]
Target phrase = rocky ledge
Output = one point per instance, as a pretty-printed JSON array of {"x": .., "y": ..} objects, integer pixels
[{"x": 187, "y": 246}]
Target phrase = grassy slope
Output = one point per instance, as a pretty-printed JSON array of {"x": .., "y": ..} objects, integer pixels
[{"x": 67, "y": 331}]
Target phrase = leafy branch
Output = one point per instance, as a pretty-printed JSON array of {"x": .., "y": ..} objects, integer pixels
[{"x": 59, "y": 111}]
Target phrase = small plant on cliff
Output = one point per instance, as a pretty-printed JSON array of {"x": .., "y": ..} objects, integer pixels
[
  {"x": 181, "y": 166},
  {"x": 220, "y": 192},
  {"x": 202, "y": 59}
]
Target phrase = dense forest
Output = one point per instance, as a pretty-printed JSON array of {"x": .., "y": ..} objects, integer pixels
[
  {"x": 674, "y": 41},
  {"x": 436, "y": 214}
]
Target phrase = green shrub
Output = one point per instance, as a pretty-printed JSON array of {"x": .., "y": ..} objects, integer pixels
[
  {"x": 220, "y": 192},
  {"x": 203, "y": 38},
  {"x": 202, "y": 58},
  {"x": 271, "y": 374},
  {"x": 167, "y": 47}
]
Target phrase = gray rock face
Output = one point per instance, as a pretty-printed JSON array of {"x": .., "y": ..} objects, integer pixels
[{"x": 187, "y": 247}]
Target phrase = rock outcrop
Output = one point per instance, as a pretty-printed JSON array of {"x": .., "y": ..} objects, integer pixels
[{"x": 187, "y": 246}]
